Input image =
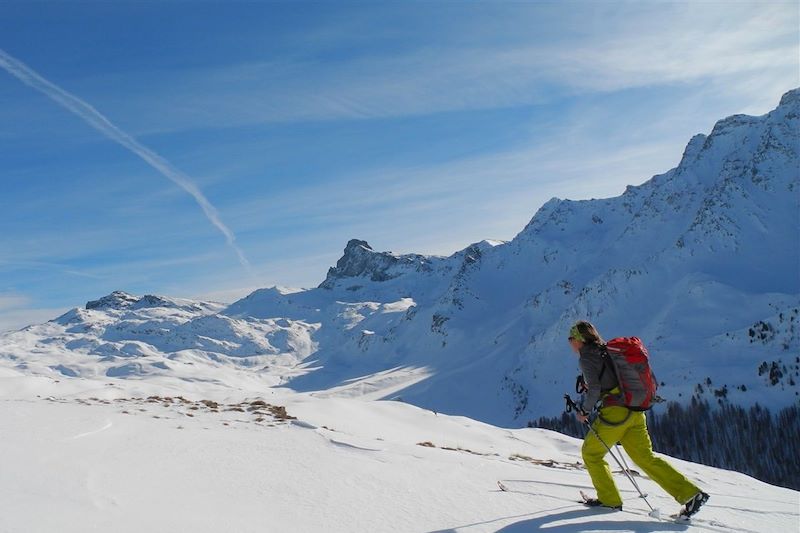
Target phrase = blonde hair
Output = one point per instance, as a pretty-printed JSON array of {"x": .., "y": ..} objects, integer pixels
[{"x": 588, "y": 332}]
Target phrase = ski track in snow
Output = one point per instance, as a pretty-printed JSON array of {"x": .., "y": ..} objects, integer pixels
[
  {"x": 107, "y": 425},
  {"x": 696, "y": 521}
]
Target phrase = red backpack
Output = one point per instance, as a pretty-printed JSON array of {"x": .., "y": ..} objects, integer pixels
[{"x": 630, "y": 362}]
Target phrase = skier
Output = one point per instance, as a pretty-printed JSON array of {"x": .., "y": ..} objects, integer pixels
[{"x": 616, "y": 423}]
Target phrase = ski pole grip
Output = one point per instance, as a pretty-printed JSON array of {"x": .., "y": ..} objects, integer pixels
[{"x": 570, "y": 404}]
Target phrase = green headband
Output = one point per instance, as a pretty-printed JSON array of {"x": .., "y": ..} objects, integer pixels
[{"x": 575, "y": 334}]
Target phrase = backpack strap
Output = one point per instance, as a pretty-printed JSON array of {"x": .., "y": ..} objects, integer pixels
[
  {"x": 609, "y": 423},
  {"x": 616, "y": 399},
  {"x": 606, "y": 362}
]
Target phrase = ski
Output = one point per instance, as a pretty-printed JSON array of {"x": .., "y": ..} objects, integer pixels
[
  {"x": 678, "y": 518},
  {"x": 584, "y": 498}
]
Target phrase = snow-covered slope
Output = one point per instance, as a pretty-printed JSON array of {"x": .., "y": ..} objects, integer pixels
[
  {"x": 701, "y": 262},
  {"x": 145, "y": 455}
]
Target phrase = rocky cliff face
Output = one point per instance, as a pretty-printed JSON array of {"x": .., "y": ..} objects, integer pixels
[{"x": 361, "y": 261}]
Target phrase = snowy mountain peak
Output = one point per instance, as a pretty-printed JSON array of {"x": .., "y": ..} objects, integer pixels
[
  {"x": 692, "y": 150},
  {"x": 361, "y": 261},
  {"x": 734, "y": 121},
  {"x": 116, "y": 300},
  {"x": 790, "y": 99},
  {"x": 123, "y": 301}
]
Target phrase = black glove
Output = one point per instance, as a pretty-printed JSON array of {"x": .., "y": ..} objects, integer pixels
[{"x": 580, "y": 384}]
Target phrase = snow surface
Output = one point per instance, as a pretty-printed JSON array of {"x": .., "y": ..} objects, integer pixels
[{"x": 97, "y": 455}]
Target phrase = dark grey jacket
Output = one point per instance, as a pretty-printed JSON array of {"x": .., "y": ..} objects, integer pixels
[{"x": 598, "y": 382}]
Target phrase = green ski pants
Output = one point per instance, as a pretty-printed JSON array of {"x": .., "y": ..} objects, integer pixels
[{"x": 632, "y": 434}]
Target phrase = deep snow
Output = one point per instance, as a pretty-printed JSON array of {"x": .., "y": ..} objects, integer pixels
[{"x": 111, "y": 463}]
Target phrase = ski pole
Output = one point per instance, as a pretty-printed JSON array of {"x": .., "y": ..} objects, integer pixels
[
  {"x": 572, "y": 405},
  {"x": 619, "y": 452}
]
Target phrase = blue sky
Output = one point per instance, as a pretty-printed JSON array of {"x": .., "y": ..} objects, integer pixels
[{"x": 418, "y": 126}]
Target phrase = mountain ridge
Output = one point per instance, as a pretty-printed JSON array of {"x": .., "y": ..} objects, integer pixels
[{"x": 685, "y": 260}]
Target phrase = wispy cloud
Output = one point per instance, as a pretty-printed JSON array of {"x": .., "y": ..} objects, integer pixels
[
  {"x": 15, "y": 319},
  {"x": 439, "y": 208},
  {"x": 633, "y": 46},
  {"x": 6, "y": 264},
  {"x": 11, "y": 301},
  {"x": 299, "y": 271},
  {"x": 98, "y": 121},
  {"x": 16, "y": 312}
]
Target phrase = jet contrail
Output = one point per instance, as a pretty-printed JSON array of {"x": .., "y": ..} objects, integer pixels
[{"x": 98, "y": 121}]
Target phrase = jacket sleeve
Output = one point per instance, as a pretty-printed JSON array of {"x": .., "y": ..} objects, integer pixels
[{"x": 591, "y": 365}]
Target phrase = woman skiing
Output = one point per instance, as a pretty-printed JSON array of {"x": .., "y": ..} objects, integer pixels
[{"x": 616, "y": 423}]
